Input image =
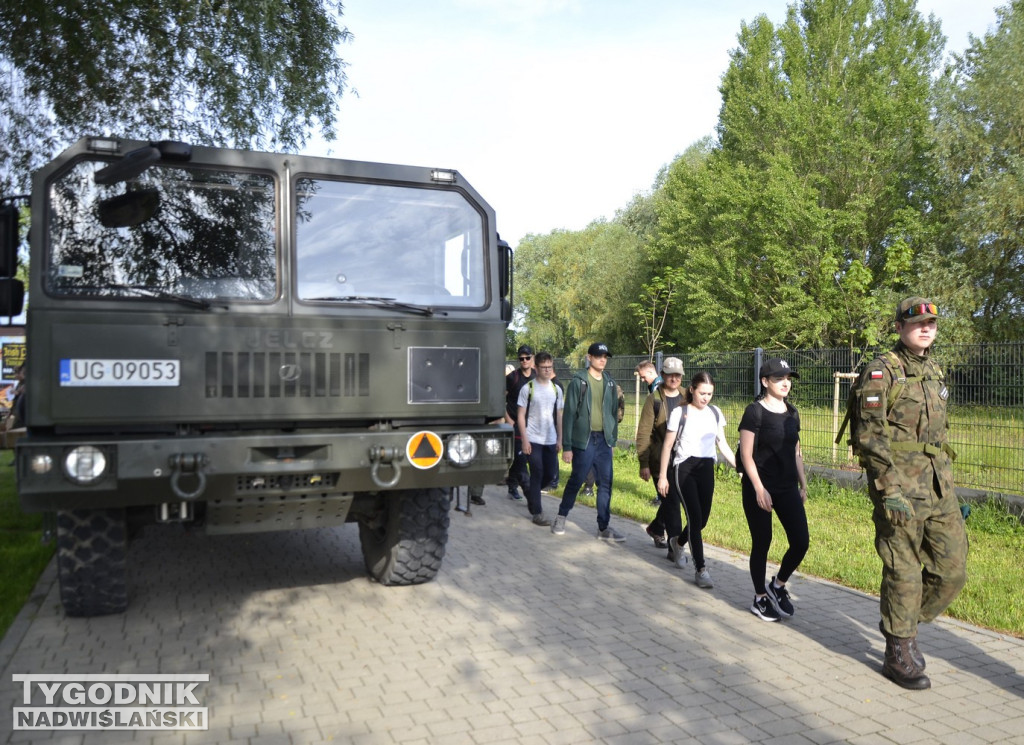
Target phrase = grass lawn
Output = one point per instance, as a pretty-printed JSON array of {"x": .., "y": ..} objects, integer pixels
[
  {"x": 842, "y": 541},
  {"x": 23, "y": 555}
]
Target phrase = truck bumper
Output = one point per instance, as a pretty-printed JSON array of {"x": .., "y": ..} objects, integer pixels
[{"x": 55, "y": 473}]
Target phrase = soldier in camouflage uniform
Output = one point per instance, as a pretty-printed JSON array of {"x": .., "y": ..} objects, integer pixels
[{"x": 900, "y": 436}]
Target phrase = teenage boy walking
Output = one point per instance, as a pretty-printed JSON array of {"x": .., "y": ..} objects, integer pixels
[
  {"x": 591, "y": 428},
  {"x": 518, "y": 475},
  {"x": 540, "y": 425}
]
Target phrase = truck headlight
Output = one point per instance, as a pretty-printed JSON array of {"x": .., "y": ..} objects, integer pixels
[
  {"x": 492, "y": 446},
  {"x": 85, "y": 464},
  {"x": 461, "y": 449},
  {"x": 41, "y": 463}
]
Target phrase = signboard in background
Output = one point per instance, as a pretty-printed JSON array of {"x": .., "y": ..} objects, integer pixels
[{"x": 12, "y": 351}]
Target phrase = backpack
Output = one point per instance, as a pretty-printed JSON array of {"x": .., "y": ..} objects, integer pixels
[{"x": 677, "y": 447}]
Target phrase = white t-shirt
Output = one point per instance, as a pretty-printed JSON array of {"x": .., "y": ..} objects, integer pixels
[
  {"x": 540, "y": 419},
  {"x": 700, "y": 434}
]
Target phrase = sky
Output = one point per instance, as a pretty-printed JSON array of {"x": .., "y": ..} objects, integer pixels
[{"x": 558, "y": 112}]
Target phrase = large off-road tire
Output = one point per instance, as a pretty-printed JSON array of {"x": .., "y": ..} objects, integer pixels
[
  {"x": 405, "y": 543},
  {"x": 92, "y": 546}
]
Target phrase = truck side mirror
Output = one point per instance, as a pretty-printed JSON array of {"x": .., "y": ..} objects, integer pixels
[
  {"x": 12, "y": 297},
  {"x": 505, "y": 279},
  {"x": 9, "y": 240}
]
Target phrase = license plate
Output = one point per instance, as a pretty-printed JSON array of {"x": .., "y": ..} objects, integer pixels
[{"x": 116, "y": 373}]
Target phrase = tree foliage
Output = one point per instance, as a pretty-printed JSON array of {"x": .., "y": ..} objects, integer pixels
[
  {"x": 256, "y": 74},
  {"x": 800, "y": 228},
  {"x": 982, "y": 144},
  {"x": 570, "y": 286},
  {"x": 848, "y": 172}
]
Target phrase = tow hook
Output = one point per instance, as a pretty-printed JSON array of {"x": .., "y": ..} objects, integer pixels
[
  {"x": 379, "y": 456},
  {"x": 189, "y": 464}
]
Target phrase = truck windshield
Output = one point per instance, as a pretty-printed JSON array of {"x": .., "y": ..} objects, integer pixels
[
  {"x": 169, "y": 233},
  {"x": 408, "y": 244}
]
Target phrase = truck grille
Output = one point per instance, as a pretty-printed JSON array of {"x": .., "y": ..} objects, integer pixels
[{"x": 287, "y": 374}]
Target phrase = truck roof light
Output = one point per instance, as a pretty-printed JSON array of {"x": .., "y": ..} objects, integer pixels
[
  {"x": 442, "y": 176},
  {"x": 104, "y": 145}
]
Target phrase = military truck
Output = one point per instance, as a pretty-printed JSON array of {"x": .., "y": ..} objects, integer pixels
[{"x": 249, "y": 341}]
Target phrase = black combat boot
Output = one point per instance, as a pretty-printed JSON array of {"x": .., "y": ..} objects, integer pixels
[
  {"x": 900, "y": 667},
  {"x": 915, "y": 653}
]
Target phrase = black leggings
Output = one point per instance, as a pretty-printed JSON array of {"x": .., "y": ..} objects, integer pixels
[
  {"x": 692, "y": 482},
  {"x": 786, "y": 503}
]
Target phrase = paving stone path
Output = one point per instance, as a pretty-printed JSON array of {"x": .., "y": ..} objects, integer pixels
[{"x": 525, "y": 638}]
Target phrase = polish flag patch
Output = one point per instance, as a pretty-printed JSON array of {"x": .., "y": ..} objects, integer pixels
[{"x": 876, "y": 374}]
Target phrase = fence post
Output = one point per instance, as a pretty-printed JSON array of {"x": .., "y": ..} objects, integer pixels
[
  {"x": 836, "y": 377},
  {"x": 758, "y": 361}
]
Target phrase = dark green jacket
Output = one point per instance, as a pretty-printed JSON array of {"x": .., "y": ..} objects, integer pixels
[{"x": 576, "y": 415}]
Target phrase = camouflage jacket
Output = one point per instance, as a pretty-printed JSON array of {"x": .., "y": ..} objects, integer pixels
[{"x": 906, "y": 450}]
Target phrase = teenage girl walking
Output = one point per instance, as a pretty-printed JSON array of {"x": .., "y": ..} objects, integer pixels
[
  {"x": 694, "y": 432},
  {"x": 774, "y": 480}
]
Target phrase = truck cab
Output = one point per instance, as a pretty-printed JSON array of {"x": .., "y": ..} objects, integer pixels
[{"x": 250, "y": 341}]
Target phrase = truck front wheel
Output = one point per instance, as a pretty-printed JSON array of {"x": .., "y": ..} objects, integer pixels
[
  {"x": 404, "y": 543},
  {"x": 92, "y": 546}
]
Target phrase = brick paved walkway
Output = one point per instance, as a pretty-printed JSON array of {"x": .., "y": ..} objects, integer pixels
[{"x": 525, "y": 638}]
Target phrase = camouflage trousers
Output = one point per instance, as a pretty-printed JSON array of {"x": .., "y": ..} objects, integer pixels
[{"x": 924, "y": 563}]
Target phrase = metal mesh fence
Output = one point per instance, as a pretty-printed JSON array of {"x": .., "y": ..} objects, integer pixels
[{"x": 986, "y": 384}]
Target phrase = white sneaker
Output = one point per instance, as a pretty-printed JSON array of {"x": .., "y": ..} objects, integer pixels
[
  {"x": 678, "y": 555},
  {"x": 703, "y": 579}
]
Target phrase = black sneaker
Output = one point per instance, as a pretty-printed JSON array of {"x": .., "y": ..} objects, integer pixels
[
  {"x": 763, "y": 609},
  {"x": 780, "y": 599},
  {"x": 477, "y": 500}
]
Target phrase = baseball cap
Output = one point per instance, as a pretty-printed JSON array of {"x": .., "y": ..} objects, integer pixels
[
  {"x": 672, "y": 366},
  {"x": 916, "y": 309},
  {"x": 598, "y": 348},
  {"x": 526, "y": 349},
  {"x": 777, "y": 366}
]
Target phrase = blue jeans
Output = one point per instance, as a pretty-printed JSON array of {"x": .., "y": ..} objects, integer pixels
[{"x": 598, "y": 456}]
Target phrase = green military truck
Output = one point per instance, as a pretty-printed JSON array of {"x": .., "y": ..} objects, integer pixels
[{"x": 255, "y": 342}]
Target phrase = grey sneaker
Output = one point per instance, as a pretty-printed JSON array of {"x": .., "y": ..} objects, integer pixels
[
  {"x": 558, "y": 526},
  {"x": 703, "y": 579},
  {"x": 540, "y": 520},
  {"x": 656, "y": 502},
  {"x": 677, "y": 554},
  {"x": 608, "y": 534}
]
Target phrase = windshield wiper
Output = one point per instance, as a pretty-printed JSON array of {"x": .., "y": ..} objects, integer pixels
[
  {"x": 152, "y": 293},
  {"x": 385, "y": 302}
]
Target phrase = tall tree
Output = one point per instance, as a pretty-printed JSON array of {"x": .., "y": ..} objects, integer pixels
[
  {"x": 801, "y": 228},
  {"x": 261, "y": 74},
  {"x": 983, "y": 157},
  {"x": 571, "y": 286}
]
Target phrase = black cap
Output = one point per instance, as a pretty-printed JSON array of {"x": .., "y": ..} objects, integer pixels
[
  {"x": 526, "y": 349},
  {"x": 777, "y": 366},
  {"x": 598, "y": 347}
]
